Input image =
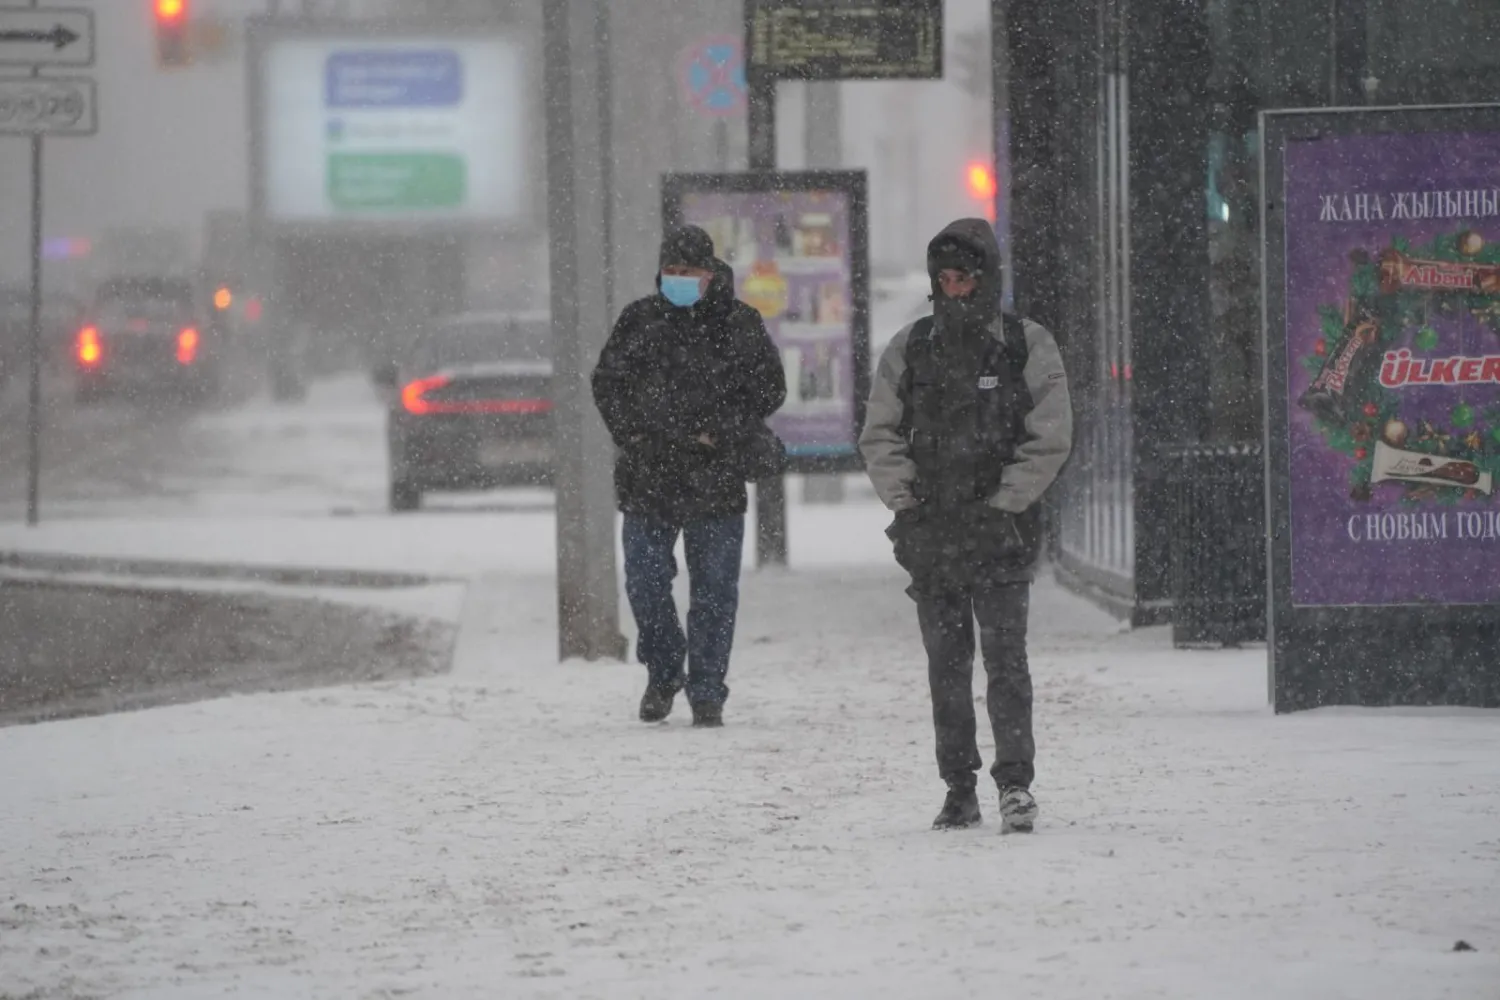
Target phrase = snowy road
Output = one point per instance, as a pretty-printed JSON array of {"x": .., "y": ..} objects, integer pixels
[
  {"x": 117, "y": 458},
  {"x": 93, "y": 453}
]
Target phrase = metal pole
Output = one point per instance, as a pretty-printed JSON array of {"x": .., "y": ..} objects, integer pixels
[
  {"x": 823, "y": 141},
  {"x": 34, "y": 340},
  {"x": 34, "y": 347},
  {"x": 606, "y": 152},
  {"x": 823, "y": 132},
  {"x": 721, "y": 145},
  {"x": 587, "y": 589},
  {"x": 770, "y": 494}
]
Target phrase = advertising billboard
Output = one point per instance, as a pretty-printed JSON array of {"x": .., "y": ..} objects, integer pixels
[
  {"x": 1382, "y": 353},
  {"x": 414, "y": 129},
  {"x": 798, "y": 248},
  {"x": 1393, "y": 351}
]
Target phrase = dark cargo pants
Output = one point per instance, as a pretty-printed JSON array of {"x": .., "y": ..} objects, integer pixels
[{"x": 947, "y": 612}]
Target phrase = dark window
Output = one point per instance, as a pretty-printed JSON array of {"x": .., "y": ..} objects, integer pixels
[{"x": 485, "y": 341}]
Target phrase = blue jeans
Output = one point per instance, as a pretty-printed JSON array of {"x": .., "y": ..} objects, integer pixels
[{"x": 714, "y": 547}]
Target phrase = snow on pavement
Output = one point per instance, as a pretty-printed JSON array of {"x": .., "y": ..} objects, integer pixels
[{"x": 512, "y": 831}]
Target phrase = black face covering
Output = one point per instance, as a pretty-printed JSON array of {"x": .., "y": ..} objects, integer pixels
[{"x": 971, "y": 314}]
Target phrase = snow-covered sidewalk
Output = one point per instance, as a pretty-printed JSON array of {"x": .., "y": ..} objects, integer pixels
[{"x": 512, "y": 831}]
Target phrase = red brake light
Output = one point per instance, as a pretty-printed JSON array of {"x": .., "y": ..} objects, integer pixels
[
  {"x": 90, "y": 350},
  {"x": 414, "y": 400},
  {"x": 414, "y": 396},
  {"x": 187, "y": 346}
]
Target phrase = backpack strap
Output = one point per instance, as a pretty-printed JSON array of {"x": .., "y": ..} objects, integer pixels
[
  {"x": 1016, "y": 348},
  {"x": 920, "y": 337},
  {"x": 921, "y": 333}
]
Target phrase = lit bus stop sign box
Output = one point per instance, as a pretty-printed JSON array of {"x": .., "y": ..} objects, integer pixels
[
  {"x": 1382, "y": 355},
  {"x": 846, "y": 39}
]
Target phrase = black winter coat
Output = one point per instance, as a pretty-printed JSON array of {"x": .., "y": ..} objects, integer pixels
[{"x": 669, "y": 375}]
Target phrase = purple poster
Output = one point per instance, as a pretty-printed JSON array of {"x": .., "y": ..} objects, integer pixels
[
  {"x": 792, "y": 261},
  {"x": 1393, "y": 353}
]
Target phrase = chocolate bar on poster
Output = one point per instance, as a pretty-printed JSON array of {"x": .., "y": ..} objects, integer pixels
[
  {"x": 1433, "y": 470},
  {"x": 1347, "y": 363},
  {"x": 1400, "y": 273}
]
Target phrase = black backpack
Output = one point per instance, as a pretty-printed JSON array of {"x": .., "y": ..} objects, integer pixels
[
  {"x": 1017, "y": 352},
  {"x": 1004, "y": 428}
]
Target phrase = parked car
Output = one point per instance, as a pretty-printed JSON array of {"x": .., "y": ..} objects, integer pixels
[
  {"x": 470, "y": 407},
  {"x": 146, "y": 335}
]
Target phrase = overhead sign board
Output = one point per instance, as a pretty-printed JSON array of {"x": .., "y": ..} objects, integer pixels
[
  {"x": 48, "y": 106},
  {"x": 425, "y": 129},
  {"x": 846, "y": 39},
  {"x": 43, "y": 37}
]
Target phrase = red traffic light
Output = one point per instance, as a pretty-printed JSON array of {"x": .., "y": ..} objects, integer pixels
[
  {"x": 983, "y": 186},
  {"x": 172, "y": 48}
]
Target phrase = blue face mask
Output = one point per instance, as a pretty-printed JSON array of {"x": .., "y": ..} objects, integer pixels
[{"x": 681, "y": 290}]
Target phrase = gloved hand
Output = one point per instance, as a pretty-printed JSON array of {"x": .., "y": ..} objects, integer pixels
[
  {"x": 909, "y": 515},
  {"x": 912, "y": 541}
]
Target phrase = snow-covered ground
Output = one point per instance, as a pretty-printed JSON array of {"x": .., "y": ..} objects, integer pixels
[{"x": 510, "y": 830}]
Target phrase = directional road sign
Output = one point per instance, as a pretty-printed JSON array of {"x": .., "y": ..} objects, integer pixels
[
  {"x": 48, "y": 106},
  {"x": 42, "y": 37}
]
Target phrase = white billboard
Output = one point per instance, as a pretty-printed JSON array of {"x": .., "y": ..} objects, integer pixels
[{"x": 417, "y": 129}]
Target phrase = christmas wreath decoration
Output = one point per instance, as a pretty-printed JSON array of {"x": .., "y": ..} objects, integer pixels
[{"x": 1395, "y": 299}]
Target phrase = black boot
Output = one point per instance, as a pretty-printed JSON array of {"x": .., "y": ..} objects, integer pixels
[
  {"x": 708, "y": 716},
  {"x": 960, "y": 808},
  {"x": 656, "y": 703}
]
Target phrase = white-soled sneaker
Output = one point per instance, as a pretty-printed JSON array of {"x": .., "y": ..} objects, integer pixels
[{"x": 1017, "y": 810}]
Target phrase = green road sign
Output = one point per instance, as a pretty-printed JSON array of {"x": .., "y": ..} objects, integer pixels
[{"x": 397, "y": 181}]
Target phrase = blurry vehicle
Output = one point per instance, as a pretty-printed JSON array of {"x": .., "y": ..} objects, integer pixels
[
  {"x": 60, "y": 322},
  {"x": 470, "y": 407},
  {"x": 146, "y": 336}
]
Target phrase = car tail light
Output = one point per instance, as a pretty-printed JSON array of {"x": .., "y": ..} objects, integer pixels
[
  {"x": 187, "y": 346},
  {"x": 414, "y": 396},
  {"x": 90, "y": 349},
  {"x": 414, "y": 400}
]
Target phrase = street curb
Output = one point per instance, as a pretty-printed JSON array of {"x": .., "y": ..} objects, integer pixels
[{"x": 292, "y": 576}]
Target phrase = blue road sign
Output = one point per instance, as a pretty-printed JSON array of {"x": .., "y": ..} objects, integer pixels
[{"x": 394, "y": 78}]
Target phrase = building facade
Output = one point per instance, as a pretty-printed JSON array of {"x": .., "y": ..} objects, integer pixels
[{"x": 1135, "y": 221}]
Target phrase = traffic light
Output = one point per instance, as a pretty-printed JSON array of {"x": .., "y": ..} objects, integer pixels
[
  {"x": 172, "y": 49},
  {"x": 983, "y": 187}
]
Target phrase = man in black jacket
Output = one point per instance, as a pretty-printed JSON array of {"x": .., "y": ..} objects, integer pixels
[
  {"x": 969, "y": 422},
  {"x": 685, "y": 383}
]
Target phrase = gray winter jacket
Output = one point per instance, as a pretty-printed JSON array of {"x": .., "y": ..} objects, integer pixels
[{"x": 1039, "y": 459}]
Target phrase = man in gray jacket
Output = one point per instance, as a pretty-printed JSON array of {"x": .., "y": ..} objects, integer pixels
[{"x": 969, "y": 422}]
